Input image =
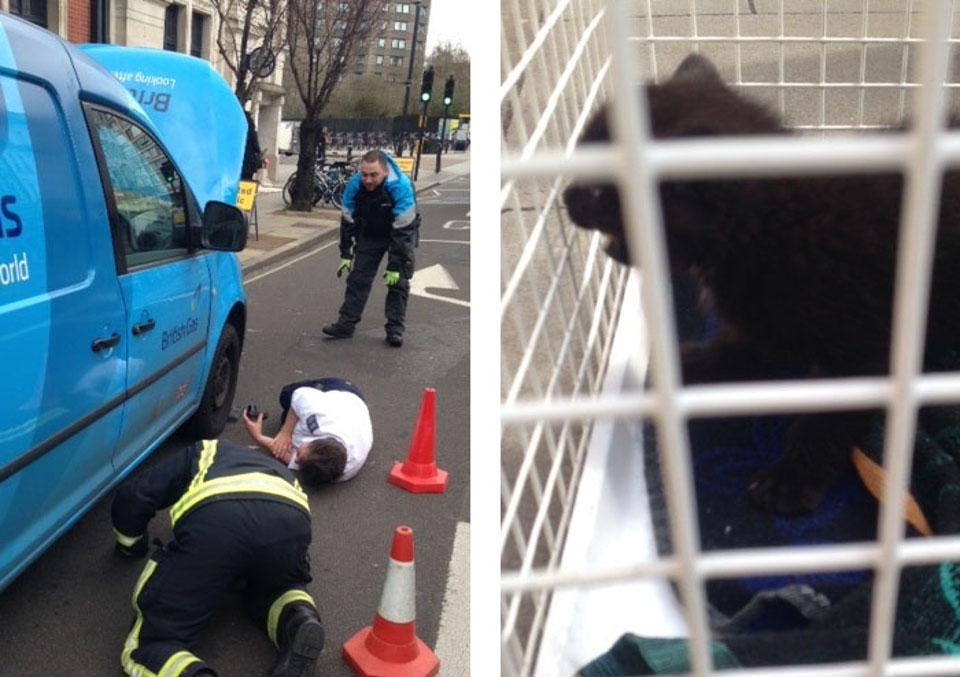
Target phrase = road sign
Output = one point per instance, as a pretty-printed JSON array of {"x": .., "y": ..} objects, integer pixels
[
  {"x": 246, "y": 194},
  {"x": 405, "y": 164}
]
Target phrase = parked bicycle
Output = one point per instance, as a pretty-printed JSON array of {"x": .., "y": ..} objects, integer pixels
[{"x": 328, "y": 184}]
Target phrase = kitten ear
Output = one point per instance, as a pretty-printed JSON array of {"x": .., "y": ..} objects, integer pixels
[{"x": 696, "y": 68}]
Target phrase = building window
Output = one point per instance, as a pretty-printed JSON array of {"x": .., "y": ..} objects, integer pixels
[
  {"x": 99, "y": 21},
  {"x": 391, "y": 78},
  {"x": 403, "y": 9},
  {"x": 196, "y": 35},
  {"x": 381, "y": 42},
  {"x": 360, "y": 61},
  {"x": 399, "y": 44},
  {"x": 171, "y": 20},
  {"x": 31, "y": 10},
  {"x": 399, "y": 25},
  {"x": 379, "y": 60},
  {"x": 396, "y": 60}
]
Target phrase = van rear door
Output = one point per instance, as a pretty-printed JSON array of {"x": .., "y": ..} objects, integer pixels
[
  {"x": 164, "y": 280},
  {"x": 61, "y": 321}
]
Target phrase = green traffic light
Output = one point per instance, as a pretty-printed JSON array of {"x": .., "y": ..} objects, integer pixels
[
  {"x": 447, "y": 101},
  {"x": 425, "y": 97}
]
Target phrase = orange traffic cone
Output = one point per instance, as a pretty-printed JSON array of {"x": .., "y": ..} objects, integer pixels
[
  {"x": 419, "y": 473},
  {"x": 390, "y": 647}
]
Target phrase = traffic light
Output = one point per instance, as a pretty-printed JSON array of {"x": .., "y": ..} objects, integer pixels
[
  {"x": 426, "y": 85},
  {"x": 448, "y": 92}
]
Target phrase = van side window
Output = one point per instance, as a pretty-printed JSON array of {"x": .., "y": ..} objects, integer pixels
[{"x": 147, "y": 190}]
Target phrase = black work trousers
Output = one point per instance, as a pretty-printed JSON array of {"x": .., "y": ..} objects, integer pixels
[
  {"x": 264, "y": 542},
  {"x": 366, "y": 260}
]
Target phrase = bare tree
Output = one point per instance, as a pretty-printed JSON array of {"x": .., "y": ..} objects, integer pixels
[
  {"x": 324, "y": 38},
  {"x": 245, "y": 26},
  {"x": 449, "y": 59}
]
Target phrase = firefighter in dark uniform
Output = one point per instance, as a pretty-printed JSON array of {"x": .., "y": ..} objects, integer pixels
[
  {"x": 379, "y": 216},
  {"x": 236, "y": 514}
]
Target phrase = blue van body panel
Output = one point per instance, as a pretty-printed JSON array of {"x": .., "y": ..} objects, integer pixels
[
  {"x": 57, "y": 282},
  {"x": 65, "y": 406},
  {"x": 198, "y": 116},
  {"x": 98, "y": 86}
]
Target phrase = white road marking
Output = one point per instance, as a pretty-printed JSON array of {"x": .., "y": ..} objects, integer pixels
[
  {"x": 291, "y": 262},
  {"x": 435, "y": 277},
  {"x": 453, "y": 638},
  {"x": 450, "y": 225}
]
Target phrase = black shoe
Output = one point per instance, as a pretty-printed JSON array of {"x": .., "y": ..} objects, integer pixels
[
  {"x": 395, "y": 340},
  {"x": 338, "y": 330},
  {"x": 300, "y": 644}
]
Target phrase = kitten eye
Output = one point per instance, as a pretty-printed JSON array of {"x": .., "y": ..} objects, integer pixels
[{"x": 595, "y": 192}]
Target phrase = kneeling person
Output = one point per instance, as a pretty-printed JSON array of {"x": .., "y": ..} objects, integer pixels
[
  {"x": 325, "y": 430},
  {"x": 236, "y": 515}
]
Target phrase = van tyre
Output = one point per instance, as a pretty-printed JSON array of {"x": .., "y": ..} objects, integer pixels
[{"x": 211, "y": 417}]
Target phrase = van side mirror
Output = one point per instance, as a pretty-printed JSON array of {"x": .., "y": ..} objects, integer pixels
[{"x": 224, "y": 228}]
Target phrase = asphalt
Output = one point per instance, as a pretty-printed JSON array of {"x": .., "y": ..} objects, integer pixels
[{"x": 277, "y": 232}]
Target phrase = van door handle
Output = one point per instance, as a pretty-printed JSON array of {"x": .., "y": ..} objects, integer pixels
[
  {"x": 143, "y": 327},
  {"x": 104, "y": 343}
]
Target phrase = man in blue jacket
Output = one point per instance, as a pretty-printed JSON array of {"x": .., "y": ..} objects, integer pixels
[{"x": 379, "y": 217}]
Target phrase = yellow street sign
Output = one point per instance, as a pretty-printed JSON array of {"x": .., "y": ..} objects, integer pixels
[
  {"x": 405, "y": 164},
  {"x": 246, "y": 194}
]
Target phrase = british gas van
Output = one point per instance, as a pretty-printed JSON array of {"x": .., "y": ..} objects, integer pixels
[{"x": 121, "y": 311}]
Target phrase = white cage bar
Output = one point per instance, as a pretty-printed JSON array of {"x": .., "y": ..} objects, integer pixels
[{"x": 561, "y": 297}]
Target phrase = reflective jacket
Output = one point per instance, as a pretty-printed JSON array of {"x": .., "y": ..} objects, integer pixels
[
  {"x": 203, "y": 472},
  {"x": 387, "y": 212}
]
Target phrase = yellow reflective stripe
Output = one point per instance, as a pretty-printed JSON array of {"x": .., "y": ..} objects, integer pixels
[
  {"x": 126, "y": 541},
  {"x": 176, "y": 664},
  {"x": 254, "y": 482},
  {"x": 273, "y": 617},
  {"x": 132, "y": 668},
  {"x": 203, "y": 465},
  {"x": 206, "y": 460}
]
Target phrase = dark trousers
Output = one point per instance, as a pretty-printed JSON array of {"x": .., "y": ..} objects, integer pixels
[
  {"x": 261, "y": 541},
  {"x": 324, "y": 384},
  {"x": 366, "y": 260}
]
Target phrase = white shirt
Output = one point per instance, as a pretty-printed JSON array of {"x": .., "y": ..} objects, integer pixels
[{"x": 338, "y": 414}]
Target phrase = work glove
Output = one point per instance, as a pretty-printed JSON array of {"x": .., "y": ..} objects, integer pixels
[
  {"x": 391, "y": 277},
  {"x": 345, "y": 264},
  {"x": 136, "y": 549}
]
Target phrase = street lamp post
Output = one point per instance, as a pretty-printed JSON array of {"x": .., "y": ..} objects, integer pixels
[{"x": 406, "y": 93}]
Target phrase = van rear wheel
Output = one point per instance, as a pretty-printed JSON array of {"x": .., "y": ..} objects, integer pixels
[{"x": 211, "y": 417}]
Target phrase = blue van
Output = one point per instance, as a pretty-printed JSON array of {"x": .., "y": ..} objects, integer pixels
[{"x": 122, "y": 312}]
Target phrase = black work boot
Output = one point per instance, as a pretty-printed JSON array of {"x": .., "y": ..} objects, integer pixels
[
  {"x": 395, "y": 339},
  {"x": 338, "y": 330},
  {"x": 300, "y": 637}
]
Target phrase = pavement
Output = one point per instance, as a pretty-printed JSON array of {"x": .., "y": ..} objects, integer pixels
[{"x": 277, "y": 232}]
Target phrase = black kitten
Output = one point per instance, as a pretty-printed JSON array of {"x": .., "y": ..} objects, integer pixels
[{"x": 799, "y": 271}]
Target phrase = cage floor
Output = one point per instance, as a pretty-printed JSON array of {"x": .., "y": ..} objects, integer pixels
[{"x": 611, "y": 525}]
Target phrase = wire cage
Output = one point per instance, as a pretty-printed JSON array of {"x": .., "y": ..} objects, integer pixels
[{"x": 577, "y": 554}]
